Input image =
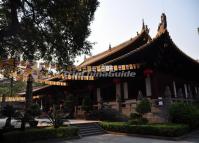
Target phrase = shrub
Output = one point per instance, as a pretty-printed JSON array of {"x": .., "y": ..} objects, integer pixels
[
  {"x": 107, "y": 114},
  {"x": 135, "y": 116},
  {"x": 55, "y": 116},
  {"x": 39, "y": 134},
  {"x": 184, "y": 114},
  {"x": 140, "y": 121},
  {"x": 137, "y": 119},
  {"x": 34, "y": 110},
  {"x": 168, "y": 130},
  {"x": 143, "y": 107}
]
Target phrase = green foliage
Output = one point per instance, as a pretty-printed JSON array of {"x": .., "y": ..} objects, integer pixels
[
  {"x": 143, "y": 107},
  {"x": 168, "y": 130},
  {"x": 87, "y": 104},
  {"x": 37, "y": 84},
  {"x": 29, "y": 116},
  {"x": 107, "y": 114},
  {"x": 40, "y": 134},
  {"x": 135, "y": 116},
  {"x": 137, "y": 119},
  {"x": 55, "y": 31},
  {"x": 185, "y": 114},
  {"x": 18, "y": 86},
  {"x": 4, "y": 91},
  {"x": 34, "y": 110},
  {"x": 55, "y": 115}
]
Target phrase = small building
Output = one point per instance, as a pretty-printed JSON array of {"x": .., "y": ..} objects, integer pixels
[{"x": 165, "y": 74}]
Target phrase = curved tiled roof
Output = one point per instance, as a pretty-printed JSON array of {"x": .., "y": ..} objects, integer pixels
[
  {"x": 143, "y": 47},
  {"x": 111, "y": 51}
]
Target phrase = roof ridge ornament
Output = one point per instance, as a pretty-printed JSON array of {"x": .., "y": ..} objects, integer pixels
[
  {"x": 144, "y": 27},
  {"x": 163, "y": 24},
  {"x": 109, "y": 46}
]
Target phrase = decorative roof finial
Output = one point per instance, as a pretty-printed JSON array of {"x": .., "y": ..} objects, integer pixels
[
  {"x": 164, "y": 20},
  {"x": 143, "y": 25},
  {"x": 163, "y": 24},
  {"x": 109, "y": 47}
]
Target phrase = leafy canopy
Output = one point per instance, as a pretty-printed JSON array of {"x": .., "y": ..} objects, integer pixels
[
  {"x": 54, "y": 30},
  {"x": 18, "y": 86}
]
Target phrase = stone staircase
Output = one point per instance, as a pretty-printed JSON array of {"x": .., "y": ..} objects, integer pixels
[{"x": 88, "y": 129}]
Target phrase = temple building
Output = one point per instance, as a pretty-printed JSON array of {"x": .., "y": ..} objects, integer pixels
[{"x": 165, "y": 74}]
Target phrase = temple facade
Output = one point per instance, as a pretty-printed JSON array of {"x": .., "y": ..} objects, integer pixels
[{"x": 165, "y": 75}]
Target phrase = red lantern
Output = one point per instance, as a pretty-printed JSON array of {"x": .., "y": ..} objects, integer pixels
[
  {"x": 116, "y": 80},
  {"x": 148, "y": 72}
]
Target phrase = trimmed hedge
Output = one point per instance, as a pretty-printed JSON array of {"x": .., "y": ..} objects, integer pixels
[
  {"x": 167, "y": 130},
  {"x": 40, "y": 134}
]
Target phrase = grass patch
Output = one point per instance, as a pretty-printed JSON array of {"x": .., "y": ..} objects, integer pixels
[{"x": 167, "y": 130}]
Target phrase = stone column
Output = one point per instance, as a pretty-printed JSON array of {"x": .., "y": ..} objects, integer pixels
[
  {"x": 41, "y": 106},
  {"x": 125, "y": 84},
  {"x": 148, "y": 85},
  {"x": 174, "y": 89},
  {"x": 118, "y": 95},
  {"x": 190, "y": 94},
  {"x": 185, "y": 89},
  {"x": 99, "y": 98},
  {"x": 196, "y": 91}
]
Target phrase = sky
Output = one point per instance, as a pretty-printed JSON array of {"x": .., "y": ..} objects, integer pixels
[{"x": 117, "y": 21}]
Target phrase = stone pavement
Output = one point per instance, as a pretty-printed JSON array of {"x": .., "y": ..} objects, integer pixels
[{"x": 110, "y": 138}]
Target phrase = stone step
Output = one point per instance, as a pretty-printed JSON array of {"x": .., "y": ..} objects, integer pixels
[
  {"x": 91, "y": 134},
  {"x": 88, "y": 129}
]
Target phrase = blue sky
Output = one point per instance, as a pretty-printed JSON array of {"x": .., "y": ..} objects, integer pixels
[{"x": 118, "y": 20}]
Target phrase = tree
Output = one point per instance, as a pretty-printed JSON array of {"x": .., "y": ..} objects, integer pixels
[
  {"x": 54, "y": 30},
  {"x": 28, "y": 99},
  {"x": 18, "y": 86},
  {"x": 4, "y": 91}
]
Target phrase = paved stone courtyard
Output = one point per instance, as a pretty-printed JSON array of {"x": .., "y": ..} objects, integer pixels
[{"x": 110, "y": 138}]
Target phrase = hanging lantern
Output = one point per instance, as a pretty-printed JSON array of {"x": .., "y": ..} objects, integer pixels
[
  {"x": 148, "y": 72},
  {"x": 116, "y": 80}
]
